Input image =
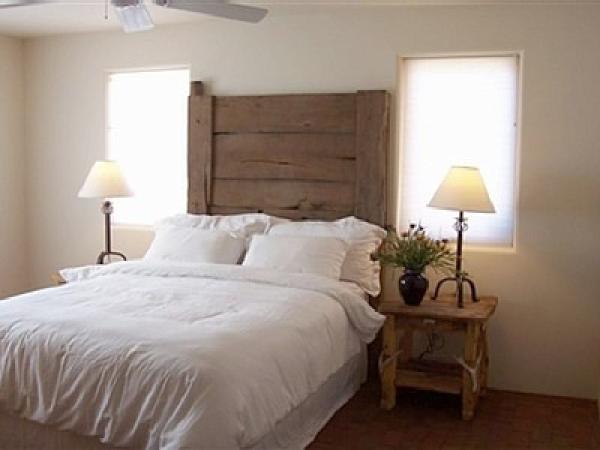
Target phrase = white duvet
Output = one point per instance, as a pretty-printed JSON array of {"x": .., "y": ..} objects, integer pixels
[{"x": 176, "y": 356}]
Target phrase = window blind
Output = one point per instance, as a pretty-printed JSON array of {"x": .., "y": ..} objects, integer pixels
[{"x": 460, "y": 111}]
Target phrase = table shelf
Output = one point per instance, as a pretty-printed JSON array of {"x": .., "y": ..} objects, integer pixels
[{"x": 430, "y": 375}]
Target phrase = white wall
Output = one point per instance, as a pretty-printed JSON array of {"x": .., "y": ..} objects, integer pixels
[
  {"x": 13, "y": 276},
  {"x": 545, "y": 335}
]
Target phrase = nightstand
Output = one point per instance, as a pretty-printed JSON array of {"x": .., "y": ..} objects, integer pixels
[
  {"x": 398, "y": 368},
  {"x": 57, "y": 279}
]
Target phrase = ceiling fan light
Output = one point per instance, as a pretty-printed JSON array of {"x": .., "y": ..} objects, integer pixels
[{"x": 134, "y": 17}]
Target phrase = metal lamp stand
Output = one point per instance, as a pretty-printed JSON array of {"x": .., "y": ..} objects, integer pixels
[
  {"x": 459, "y": 277},
  {"x": 107, "y": 209}
]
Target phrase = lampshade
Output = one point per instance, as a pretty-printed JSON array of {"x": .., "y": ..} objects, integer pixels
[
  {"x": 105, "y": 180},
  {"x": 463, "y": 189}
]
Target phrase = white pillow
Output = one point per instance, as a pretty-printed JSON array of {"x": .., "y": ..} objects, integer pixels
[
  {"x": 316, "y": 255},
  {"x": 194, "y": 245},
  {"x": 363, "y": 238},
  {"x": 239, "y": 225}
]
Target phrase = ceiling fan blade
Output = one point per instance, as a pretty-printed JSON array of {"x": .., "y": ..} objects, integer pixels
[
  {"x": 217, "y": 8},
  {"x": 13, "y": 3},
  {"x": 133, "y": 15}
]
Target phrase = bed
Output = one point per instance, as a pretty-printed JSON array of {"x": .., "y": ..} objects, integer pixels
[{"x": 179, "y": 356}]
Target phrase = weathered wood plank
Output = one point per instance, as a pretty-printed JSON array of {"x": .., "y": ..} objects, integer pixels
[
  {"x": 325, "y": 157},
  {"x": 305, "y": 144},
  {"x": 389, "y": 362},
  {"x": 485, "y": 362},
  {"x": 197, "y": 88},
  {"x": 277, "y": 169},
  {"x": 470, "y": 394},
  {"x": 294, "y": 214},
  {"x": 323, "y": 113},
  {"x": 372, "y": 148},
  {"x": 298, "y": 156},
  {"x": 443, "y": 308},
  {"x": 200, "y": 143},
  {"x": 429, "y": 381},
  {"x": 286, "y": 195}
]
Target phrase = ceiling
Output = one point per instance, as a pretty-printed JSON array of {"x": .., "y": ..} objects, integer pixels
[{"x": 76, "y": 16}]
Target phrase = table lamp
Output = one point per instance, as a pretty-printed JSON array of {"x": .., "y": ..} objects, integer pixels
[
  {"x": 106, "y": 180},
  {"x": 462, "y": 190}
]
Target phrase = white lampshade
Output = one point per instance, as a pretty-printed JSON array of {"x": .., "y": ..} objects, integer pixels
[
  {"x": 105, "y": 180},
  {"x": 463, "y": 189}
]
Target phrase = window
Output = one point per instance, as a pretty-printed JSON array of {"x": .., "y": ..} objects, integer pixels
[
  {"x": 147, "y": 136},
  {"x": 460, "y": 111}
]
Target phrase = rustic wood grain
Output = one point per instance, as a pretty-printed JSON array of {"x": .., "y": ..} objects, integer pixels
[
  {"x": 438, "y": 316},
  {"x": 320, "y": 157},
  {"x": 273, "y": 168},
  {"x": 388, "y": 375},
  {"x": 431, "y": 380},
  {"x": 372, "y": 148},
  {"x": 200, "y": 142},
  {"x": 197, "y": 88},
  {"x": 470, "y": 395},
  {"x": 323, "y": 113},
  {"x": 443, "y": 308},
  {"x": 283, "y": 194},
  {"x": 325, "y": 145},
  {"x": 485, "y": 363},
  {"x": 289, "y": 213},
  {"x": 294, "y": 156}
]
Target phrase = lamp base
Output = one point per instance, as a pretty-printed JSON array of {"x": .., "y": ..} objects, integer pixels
[
  {"x": 107, "y": 210},
  {"x": 102, "y": 256},
  {"x": 459, "y": 280}
]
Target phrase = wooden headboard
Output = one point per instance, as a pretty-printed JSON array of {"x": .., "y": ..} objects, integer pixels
[{"x": 313, "y": 156}]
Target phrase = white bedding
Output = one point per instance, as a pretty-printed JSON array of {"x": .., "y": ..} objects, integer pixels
[{"x": 176, "y": 356}]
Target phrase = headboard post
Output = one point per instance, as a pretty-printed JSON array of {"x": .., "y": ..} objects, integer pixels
[
  {"x": 200, "y": 149},
  {"x": 197, "y": 88},
  {"x": 372, "y": 149}
]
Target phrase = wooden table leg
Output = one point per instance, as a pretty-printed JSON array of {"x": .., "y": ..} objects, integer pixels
[
  {"x": 388, "y": 362},
  {"x": 485, "y": 363},
  {"x": 471, "y": 354}
]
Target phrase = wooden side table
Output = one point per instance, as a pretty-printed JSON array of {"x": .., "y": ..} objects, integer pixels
[
  {"x": 398, "y": 368},
  {"x": 57, "y": 279}
]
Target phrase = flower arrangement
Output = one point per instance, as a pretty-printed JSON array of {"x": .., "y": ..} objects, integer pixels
[{"x": 413, "y": 250}]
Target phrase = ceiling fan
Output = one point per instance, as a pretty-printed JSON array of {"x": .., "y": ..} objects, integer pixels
[{"x": 134, "y": 15}]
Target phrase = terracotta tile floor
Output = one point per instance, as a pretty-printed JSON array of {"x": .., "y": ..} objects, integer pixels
[{"x": 423, "y": 421}]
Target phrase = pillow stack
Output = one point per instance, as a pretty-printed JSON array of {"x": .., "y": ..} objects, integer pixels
[
  {"x": 362, "y": 239},
  {"x": 205, "y": 239},
  {"x": 340, "y": 249}
]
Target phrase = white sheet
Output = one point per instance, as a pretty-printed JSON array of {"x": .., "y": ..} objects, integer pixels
[{"x": 172, "y": 357}]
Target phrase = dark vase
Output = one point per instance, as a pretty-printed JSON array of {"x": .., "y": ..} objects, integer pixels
[{"x": 413, "y": 285}]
